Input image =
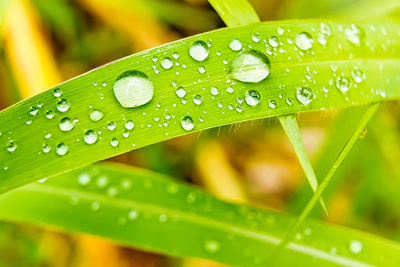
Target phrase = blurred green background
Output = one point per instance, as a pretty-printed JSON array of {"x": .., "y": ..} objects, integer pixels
[{"x": 44, "y": 42}]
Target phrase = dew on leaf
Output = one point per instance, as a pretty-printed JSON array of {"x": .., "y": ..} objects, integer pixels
[
  {"x": 11, "y": 147},
  {"x": 133, "y": 89},
  {"x": 63, "y": 105},
  {"x": 199, "y": 50},
  {"x": 166, "y": 63},
  {"x": 114, "y": 142},
  {"x": 84, "y": 179},
  {"x": 304, "y": 41},
  {"x": 251, "y": 67},
  {"x": 129, "y": 125},
  {"x": 356, "y": 246},
  {"x": 180, "y": 92},
  {"x": 235, "y": 45},
  {"x": 354, "y": 34},
  {"x": 304, "y": 95},
  {"x": 49, "y": 115},
  {"x": 214, "y": 91},
  {"x": 187, "y": 123},
  {"x": 252, "y": 97},
  {"x": 66, "y": 124},
  {"x": 57, "y": 92},
  {"x": 197, "y": 99},
  {"x": 61, "y": 149},
  {"x": 343, "y": 84},
  {"x": 273, "y": 41},
  {"x": 90, "y": 137},
  {"x": 212, "y": 246},
  {"x": 96, "y": 115}
]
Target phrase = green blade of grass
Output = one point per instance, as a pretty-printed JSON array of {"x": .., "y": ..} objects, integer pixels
[
  {"x": 338, "y": 162},
  {"x": 148, "y": 210},
  {"x": 291, "y": 128},
  {"x": 322, "y": 70},
  {"x": 236, "y": 12}
]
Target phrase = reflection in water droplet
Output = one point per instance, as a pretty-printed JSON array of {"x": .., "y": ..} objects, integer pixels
[
  {"x": 90, "y": 137},
  {"x": 133, "y": 88},
  {"x": 197, "y": 99},
  {"x": 304, "y": 41},
  {"x": 180, "y": 92},
  {"x": 304, "y": 95},
  {"x": 187, "y": 123},
  {"x": 199, "y": 50},
  {"x": 252, "y": 67},
  {"x": 343, "y": 84},
  {"x": 235, "y": 45},
  {"x": 62, "y": 149},
  {"x": 114, "y": 142},
  {"x": 252, "y": 97},
  {"x": 96, "y": 115}
]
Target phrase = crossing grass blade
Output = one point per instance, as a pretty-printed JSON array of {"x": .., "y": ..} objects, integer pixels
[
  {"x": 370, "y": 70},
  {"x": 150, "y": 211}
]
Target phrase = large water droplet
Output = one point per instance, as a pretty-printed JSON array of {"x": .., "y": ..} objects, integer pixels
[
  {"x": 66, "y": 124},
  {"x": 133, "y": 88},
  {"x": 90, "y": 137},
  {"x": 252, "y": 97},
  {"x": 199, "y": 50},
  {"x": 304, "y": 95},
  {"x": 252, "y": 67},
  {"x": 62, "y": 149},
  {"x": 304, "y": 41},
  {"x": 343, "y": 84},
  {"x": 235, "y": 45},
  {"x": 187, "y": 123}
]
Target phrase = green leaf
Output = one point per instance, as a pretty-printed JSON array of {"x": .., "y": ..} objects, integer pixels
[
  {"x": 241, "y": 13},
  {"x": 338, "y": 162},
  {"x": 148, "y": 210},
  {"x": 370, "y": 68},
  {"x": 289, "y": 124}
]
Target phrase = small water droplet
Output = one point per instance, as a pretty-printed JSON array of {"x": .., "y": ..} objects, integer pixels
[
  {"x": 357, "y": 75},
  {"x": 201, "y": 69},
  {"x": 114, "y": 142},
  {"x": 111, "y": 126},
  {"x": 11, "y": 147},
  {"x": 354, "y": 34},
  {"x": 199, "y": 50},
  {"x": 356, "y": 246},
  {"x": 57, "y": 92},
  {"x": 63, "y": 105},
  {"x": 212, "y": 246},
  {"x": 133, "y": 88},
  {"x": 126, "y": 184},
  {"x": 304, "y": 41},
  {"x": 49, "y": 115},
  {"x": 96, "y": 115},
  {"x": 197, "y": 99},
  {"x": 187, "y": 123},
  {"x": 112, "y": 191},
  {"x": 84, "y": 178},
  {"x": 129, "y": 125},
  {"x": 304, "y": 95},
  {"x": 252, "y": 67},
  {"x": 66, "y": 124},
  {"x": 133, "y": 215},
  {"x": 46, "y": 148},
  {"x": 95, "y": 206},
  {"x": 273, "y": 41},
  {"x": 62, "y": 149},
  {"x": 214, "y": 91},
  {"x": 272, "y": 104},
  {"x": 235, "y": 45},
  {"x": 255, "y": 37},
  {"x": 343, "y": 84},
  {"x": 180, "y": 92},
  {"x": 33, "y": 111},
  {"x": 90, "y": 137},
  {"x": 191, "y": 198},
  {"x": 166, "y": 63},
  {"x": 252, "y": 97}
]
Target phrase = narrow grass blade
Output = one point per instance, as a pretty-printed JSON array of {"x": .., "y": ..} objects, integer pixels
[
  {"x": 339, "y": 161},
  {"x": 35, "y": 143},
  {"x": 147, "y": 210},
  {"x": 235, "y": 12},
  {"x": 291, "y": 128}
]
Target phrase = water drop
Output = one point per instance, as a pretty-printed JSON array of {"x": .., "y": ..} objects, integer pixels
[
  {"x": 180, "y": 92},
  {"x": 356, "y": 246},
  {"x": 111, "y": 126},
  {"x": 304, "y": 95},
  {"x": 357, "y": 75},
  {"x": 11, "y": 147},
  {"x": 133, "y": 88},
  {"x": 212, "y": 246},
  {"x": 304, "y": 41},
  {"x": 166, "y": 63},
  {"x": 95, "y": 206},
  {"x": 252, "y": 67},
  {"x": 214, "y": 91},
  {"x": 197, "y": 99},
  {"x": 90, "y": 137},
  {"x": 133, "y": 215},
  {"x": 126, "y": 185},
  {"x": 229, "y": 90},
  {"x": 66, "y": 124},
  {"x": 129, "y": 125},
  {"x": 273, "y": 41},
  {"x": 235, "y": 45},
  {"x": 199, "y": 50},
  {"x": 46, "y": 148},
  {"x": 96, "y": 115},
  {"x": 353, "y": 34},
  {"x": 191, "y": 198},
  {"x": 201, "y": 69},
  {"x": 272, "y": 104},
  {"x": 63, "y": 105},
  {"x": 33, "y": 111},
  {"x": 112, "y": 191},
  {"x": 62, "y": 149},
  {"x": 343, "y": 84},
  {"x": 84, "y": 179},
  {"x": 255, "y": 37},
  {"x": 252, "y": 97},
  {"x": 49, "y": 115},
  {"x": 187, "y": 123},
  {"x": 57, "y": 92},
  {"x": 114, "y": 142},
  {"x": 102, "y": 181}
]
